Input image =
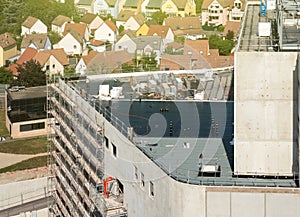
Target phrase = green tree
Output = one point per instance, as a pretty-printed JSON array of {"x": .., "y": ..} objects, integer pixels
[
  {"x": 224, "y": 46},
  {"x": 159, "y": 17},
  {"x": 30, "y": 75},
  {"x": 54, "y": 37},
  {"x": 229, "y": 35},
  {"x": 6, "y": 75},
  {"x": 198, "y": 6}
]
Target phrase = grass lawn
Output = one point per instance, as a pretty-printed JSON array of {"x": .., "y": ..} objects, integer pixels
[
  {"x": 35, "y": 162},
  {"x": 25, "y": 146},
  {"x": 3, "y": 131}
]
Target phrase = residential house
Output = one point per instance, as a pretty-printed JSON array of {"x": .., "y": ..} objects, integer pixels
[
  {"x": 33, "y": 25},
  {"x": 196, "y": 55},
  {"x": 134, "y": 22},
  {"x": 84, "y": 6},
  {"x": 73, "y": 43},
  {"x": 125, "y": 43},
  {"x": 97, "y": 45},
  {"x": 123, "y": 16},
  {"x": 188, "y": 27},
  {"x": 104, "y": 63},
  {"x": 179, "y": 7},
  {"x": 215, "y": 12},
  {"x": 36, "y": 41},
  {"x": 231, "y": 26},
  {"x": 146, "y": 45},
  {"x": 80, "y": 28},
  {"x": 165, "y": 32},
  {"x": 58, "y": 24},
  {"x": 8, "y": 49},
  {"x": 236, "y": 10},
  {"x": 84, "y": 62},
  {"x": 106, "y": 7},
  {"x": 107, "y": 31},
  {"x": 143, "y": 30},
  {"x": 52, "y": 61},
  {"x": 26, "y": 56},
  {"x": 174, "y": 48},
  {"x": 133, "y": 5},
  {"x": 92, "y": 21}
]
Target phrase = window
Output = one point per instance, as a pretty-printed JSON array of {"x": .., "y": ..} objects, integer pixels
[
  {"x": 151, "y": 189},
  {"x": 53, "y": 66},
  {"x": 74, "y": 46},
  {"x": 142, "y": 180},
  {"x": 29, "y": 127},
  {"x": 106, "y": 142},
  {"x": 114, "y": 150},
  {"x": 136, "y": 176}
]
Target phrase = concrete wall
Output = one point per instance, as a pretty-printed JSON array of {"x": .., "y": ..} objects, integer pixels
[
  {"x": 264, "y": 114},
  {"x": 16, "y": 193},
  {"x": 16, "y": 133},
  {"x": 260, "y": 203}
]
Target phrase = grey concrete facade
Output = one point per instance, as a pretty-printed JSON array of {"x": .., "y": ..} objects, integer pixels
[{"x": 265, "y": 98}]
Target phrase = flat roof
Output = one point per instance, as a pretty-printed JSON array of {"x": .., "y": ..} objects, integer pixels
[
  {"x": 27, "y": 93},
  {"x": 284, "y": 28},
  {"x": 180, "y": 159},
  {"x": 248, "y": 38}
]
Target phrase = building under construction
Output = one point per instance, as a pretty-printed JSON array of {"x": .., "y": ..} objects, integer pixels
[{"x": 136, "y": 156}]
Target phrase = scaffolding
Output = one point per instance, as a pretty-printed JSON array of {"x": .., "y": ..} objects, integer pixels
[{"x": 76, "y": 160}]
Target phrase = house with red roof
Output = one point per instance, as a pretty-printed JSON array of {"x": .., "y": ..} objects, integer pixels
[
  {"x": 80, "y": 28},
  {"x": 33, "y": 25},
  {"x": 196, "y": 55},
  {"x": 52, "y": 61},
  {"x": 104, "y": 62},
  {"x": 165, "y": 32},
  {"x": 93, "y": 21},
  {"x": 75, "y": 37},
  {"x": 26, "y": 56},
  {"x": 107, "y": 31}
]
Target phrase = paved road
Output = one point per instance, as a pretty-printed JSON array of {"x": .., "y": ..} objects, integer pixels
[{"x": 30, "y": 206}]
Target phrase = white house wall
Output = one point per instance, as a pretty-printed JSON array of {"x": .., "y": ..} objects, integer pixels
[
  {"x": 125, "y": 43},
  {"x": 104, "y": 33},
  {"x": 55, "y": 66},
  {"x": 131, "y": 24},
  {"x": 38, "y": 27},
  {"x": 80, "y": 67},
  {"x": 70, "y": 45}
]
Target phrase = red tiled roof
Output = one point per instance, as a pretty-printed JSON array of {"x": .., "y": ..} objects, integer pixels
[
  {"x": 96, "y": 43},
  {"x": 39, "y": 56},
  {"x": 6, "y": 40},
  {"x": 88, "y": 58},
  {"x": 29, "y": 22},
  {"x": 233, "y": 26},
  {"x": 196, "y": 46},
  {"x": 111, "y": 25},
  {"x": 26, "y": 56},
  {"x": 159, "y": 30},
  {"x": 59, "y": 54},
  {"x": 76, "y": 27}
]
